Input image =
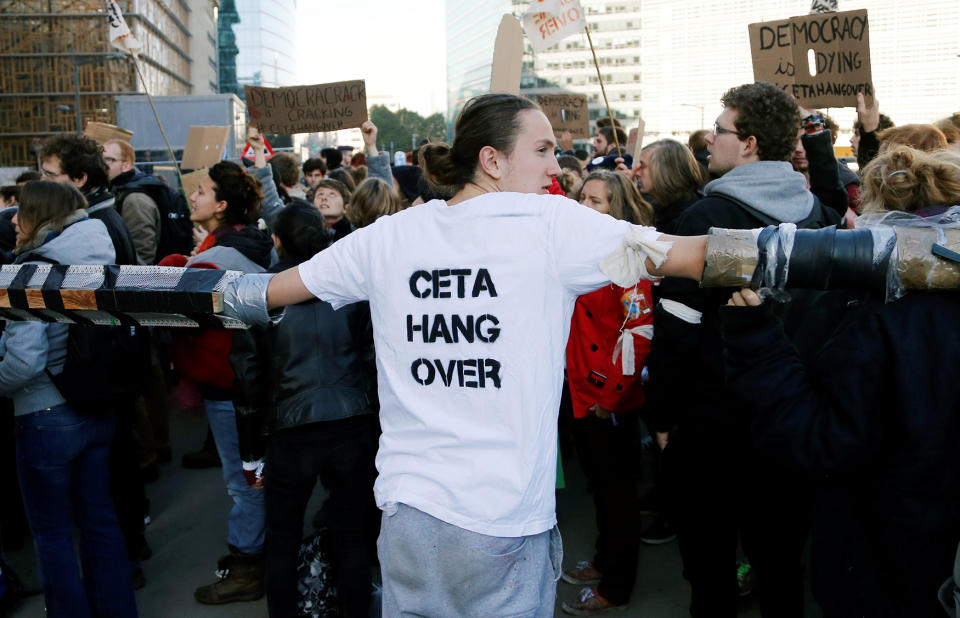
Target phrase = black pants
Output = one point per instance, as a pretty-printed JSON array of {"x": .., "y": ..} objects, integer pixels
[
  {"x": 719, "y": 491},
  {"x": 608, "y": 456},
  {"x": 341, "y": 454}
]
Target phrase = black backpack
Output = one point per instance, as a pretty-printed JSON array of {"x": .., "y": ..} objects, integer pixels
[{"x": 176, "y": 229}]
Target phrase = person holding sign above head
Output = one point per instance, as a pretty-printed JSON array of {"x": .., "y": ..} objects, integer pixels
[{"x": 471, "y": 300}]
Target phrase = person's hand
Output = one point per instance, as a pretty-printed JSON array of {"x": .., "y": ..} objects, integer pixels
[
  {"x": 369, "y": 132},
  {"x": 745, "y": 298},
  {"x": 663, "y": 438},
  {"x": 869, "y": 116},
  {"x": 258, "y": 486},
  {"x": 600, "y": 412},
  {"x": 621, "y": 166},
  {"x": 199, "y": 235},
  {"x": 566, "y": 141},
  {"x": 254, "y": 138}
]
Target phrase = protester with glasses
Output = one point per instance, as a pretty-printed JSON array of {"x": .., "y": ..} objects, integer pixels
[{"x": 708, "y": 456}]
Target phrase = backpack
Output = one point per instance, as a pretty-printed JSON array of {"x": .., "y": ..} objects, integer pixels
[
  {"x": 176, "y": 229},
  {"x": 103, "y": 364}
]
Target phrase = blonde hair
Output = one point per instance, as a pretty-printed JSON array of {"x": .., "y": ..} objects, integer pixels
[
  {"x": 624, "y": 198},
  {"x": 908, "y": 180},
  {"x": 126, "y": 150},
  {"x": 374, "y": 198}
]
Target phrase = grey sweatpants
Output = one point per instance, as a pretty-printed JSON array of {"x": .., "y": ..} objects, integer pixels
[{"x": 432, "y": 568}]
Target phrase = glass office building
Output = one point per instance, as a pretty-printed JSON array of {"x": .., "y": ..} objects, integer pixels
[{"x": 266, "y": 40}]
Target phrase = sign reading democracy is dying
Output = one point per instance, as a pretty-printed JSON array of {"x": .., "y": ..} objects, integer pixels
[
  {"x": 823, "y": 60},
  {"x": 307, "y": 109}
]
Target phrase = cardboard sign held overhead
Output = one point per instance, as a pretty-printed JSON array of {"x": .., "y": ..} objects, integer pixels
[
  {"x": 822, "y": 60},
  {"x": 204, "y": 147},
  {"x": 308, "y": 109},
  {"x": 101, "y": 132},
  {"x": 507, "y": 57},
  {"x": 567, "y": 112},
  {"x": 547, "y": 22},
  {"x": 638, "y": 145}
]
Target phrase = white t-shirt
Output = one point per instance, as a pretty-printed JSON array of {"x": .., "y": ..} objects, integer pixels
[{"x": 471, "y": 309}]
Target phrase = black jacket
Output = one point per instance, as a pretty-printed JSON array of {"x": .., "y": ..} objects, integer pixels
[
  {"x": 100, "y": 205},
  {"x": 685, "y": 364},
  {"x": 315, "y": 365},
  {"x": 825, "y": 181},
  {"x": 666, "y": 217},
  {"x": 875, "y": 422}
]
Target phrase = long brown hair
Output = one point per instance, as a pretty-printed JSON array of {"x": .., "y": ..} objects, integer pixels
[
  {"x": 674, "y": 172},
  {"x": 45, "y": 202},
  {"x": 624, "y": 198}
]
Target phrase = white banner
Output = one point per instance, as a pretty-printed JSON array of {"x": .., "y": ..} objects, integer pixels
[
  {"x": 120, "y": 36},
  {"x": 546, "y": 22}
]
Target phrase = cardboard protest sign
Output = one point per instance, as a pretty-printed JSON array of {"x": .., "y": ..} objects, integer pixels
[
  {"x": 839, "y": 44},
  {"x": 638, "y": 145},
  {"x": 507, "y": 53},
  {"x": 567, "y": 112},
  {"x": 191, "y": 182},
  {"x": 204, "y": 147},
  {"x": 548, "y": 21},
  {"x": 101, "y": 132},
  {"x": 307, "y": 109}
]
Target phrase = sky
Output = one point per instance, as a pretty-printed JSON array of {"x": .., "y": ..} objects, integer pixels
[{"x": 399, "y": 48}]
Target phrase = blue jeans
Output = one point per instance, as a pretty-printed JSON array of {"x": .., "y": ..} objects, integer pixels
[
  {"x": 62, "y": 464},
  {"x": 246, "y": 526}
]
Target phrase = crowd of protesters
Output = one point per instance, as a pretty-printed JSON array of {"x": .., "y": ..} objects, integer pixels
[{"x": 824, "y": 421}]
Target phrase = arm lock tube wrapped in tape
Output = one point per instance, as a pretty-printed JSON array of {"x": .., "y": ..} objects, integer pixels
[
  {"x": 887, "y": 253},
  {"x": 246, "y": 299}
]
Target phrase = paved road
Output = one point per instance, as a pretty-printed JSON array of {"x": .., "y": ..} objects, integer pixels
[{"x": 189, "y": 510}]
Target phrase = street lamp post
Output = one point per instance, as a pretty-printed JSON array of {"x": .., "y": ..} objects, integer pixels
[{"x": 77, "y": 60}]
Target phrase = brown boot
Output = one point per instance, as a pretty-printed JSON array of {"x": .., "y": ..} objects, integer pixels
[{"x": 240, "y": 578}]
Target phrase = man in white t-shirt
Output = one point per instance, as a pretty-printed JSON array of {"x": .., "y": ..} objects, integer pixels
[{"x": 471, "y": 302}]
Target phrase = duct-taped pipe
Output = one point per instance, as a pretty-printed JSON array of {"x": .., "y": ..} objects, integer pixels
[{"x": 886, "y": 254}]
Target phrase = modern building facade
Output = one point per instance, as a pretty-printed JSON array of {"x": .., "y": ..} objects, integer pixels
[
  {"x": 266, "y": 40},
  {"x": 471, "y": 33},
  {"x": 59, "y": 71},
  {"x": 670, "y": 61}
]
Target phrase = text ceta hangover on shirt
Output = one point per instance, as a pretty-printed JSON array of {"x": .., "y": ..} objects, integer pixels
[{"x": 441, "y": 328}]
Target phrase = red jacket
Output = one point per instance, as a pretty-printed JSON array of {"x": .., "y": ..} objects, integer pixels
[{"x": 593, "y": 374}]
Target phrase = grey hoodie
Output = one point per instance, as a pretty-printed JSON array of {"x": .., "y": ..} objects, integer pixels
[
  {"x": 772, "y": 187},
  {"x": 28, "y": 348}
]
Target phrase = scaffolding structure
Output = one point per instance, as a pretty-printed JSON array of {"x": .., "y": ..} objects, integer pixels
[{"x": 58, "y": 69}]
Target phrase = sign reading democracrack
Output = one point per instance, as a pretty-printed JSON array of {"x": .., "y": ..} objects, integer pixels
[
  {"x": 823, "y": 60},
  {"x": 307, "y": 109}
]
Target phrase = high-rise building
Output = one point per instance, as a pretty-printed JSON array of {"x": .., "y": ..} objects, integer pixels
[
  {"x": 671, "y": 60},
  {"x": 58, "y": 69},
  {"x": 691, "y": 55},
  {"x": 471, "y": 33},
  {"x": 227, "y": 44},
  {"x": 204, "y": 52},
  {"x": 568, "y": 66},
  {"x": 266, "y": 39}
]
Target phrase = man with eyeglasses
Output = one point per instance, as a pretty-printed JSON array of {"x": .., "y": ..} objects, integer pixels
[
  {"x": 77, "y": 160},
  {"x": 134, "y": 203},
  {"x": 720, "y": 486}
]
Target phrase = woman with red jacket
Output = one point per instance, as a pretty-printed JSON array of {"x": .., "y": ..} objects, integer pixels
[
  {"x": 227, "y": 205},
  {"x": 610, "y": 337}
]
